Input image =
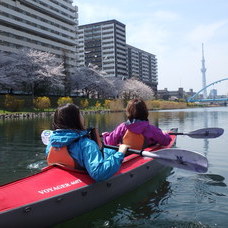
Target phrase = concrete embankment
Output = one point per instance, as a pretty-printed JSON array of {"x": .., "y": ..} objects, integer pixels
[{"x": 31, "y": 115}]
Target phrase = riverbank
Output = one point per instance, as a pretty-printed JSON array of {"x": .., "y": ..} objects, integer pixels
[
  {"x": 114, "y": 106},
  {"x": 31, "y": 115}
]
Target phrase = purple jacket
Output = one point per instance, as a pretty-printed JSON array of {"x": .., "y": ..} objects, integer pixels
[{"x": 151, "y": 133}]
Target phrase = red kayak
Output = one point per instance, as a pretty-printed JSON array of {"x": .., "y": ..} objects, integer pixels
[{"x": 57, "y": 194}]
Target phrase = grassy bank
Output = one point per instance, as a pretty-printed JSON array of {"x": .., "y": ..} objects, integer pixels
[{"x": 95, "y": 105}]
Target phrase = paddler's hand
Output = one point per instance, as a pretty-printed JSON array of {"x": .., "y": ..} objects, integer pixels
[
  {"x": 165, "y": 132},
  {"x": 123, "y": 148},
  {"x": 104, "y": 134}
]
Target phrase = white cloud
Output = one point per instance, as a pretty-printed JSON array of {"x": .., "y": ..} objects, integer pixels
[
  {"x": 173, "y": 30},
  {"x": 165, "y": 15},
  {"x": 94, "y": 13},
  {"x": 151, "y": 31},
  {"x": 151, "y": 37},
  {"x": 206, "y": 32}
]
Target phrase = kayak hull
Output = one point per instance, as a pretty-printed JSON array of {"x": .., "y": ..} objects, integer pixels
[
  {"x": 68, "y": 205},
  {"x": 65, "y": 193}
]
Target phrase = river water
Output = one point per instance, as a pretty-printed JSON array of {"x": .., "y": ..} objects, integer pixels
[{"x": 176, "y": 198}]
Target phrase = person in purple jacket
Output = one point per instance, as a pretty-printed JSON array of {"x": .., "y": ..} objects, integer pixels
[{"x": 136, "y": 132}]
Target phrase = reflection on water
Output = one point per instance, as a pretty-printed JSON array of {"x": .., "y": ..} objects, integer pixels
[
  {"x": 177, "y": 199},
  {"x": 20, "y": 146},
  {"x": 141, "y": 204},
  {"x": 212, "y": 179}
]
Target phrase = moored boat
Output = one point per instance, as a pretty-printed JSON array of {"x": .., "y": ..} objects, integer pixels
[{"x": 57, "y": 193}]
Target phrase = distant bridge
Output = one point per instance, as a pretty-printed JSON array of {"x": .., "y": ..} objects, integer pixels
[{"x": 191, "y": 99}]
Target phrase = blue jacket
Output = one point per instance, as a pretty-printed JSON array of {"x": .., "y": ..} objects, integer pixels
[{"x": 87, "y": 153}]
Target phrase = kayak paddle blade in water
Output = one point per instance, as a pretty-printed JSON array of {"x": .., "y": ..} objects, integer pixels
[
  {"x": 204, "y": 133},
  {"x": 178, "y": 158},
  {"x": 182, "y": 159}
]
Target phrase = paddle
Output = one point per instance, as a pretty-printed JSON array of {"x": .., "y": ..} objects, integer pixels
[
  {"x": 178, "y": 158},
  {"x": 204, "y": 133}
]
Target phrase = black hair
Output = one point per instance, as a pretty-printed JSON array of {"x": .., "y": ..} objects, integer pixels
[{"x": 67, "y": 117}]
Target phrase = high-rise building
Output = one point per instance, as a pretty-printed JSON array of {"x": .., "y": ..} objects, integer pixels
[
  {"x": 213, "y": 93},
  {"x": 142, "y": 65},
  {"x": 103, "y": 44},
  {"x": 42, "y": 25}
]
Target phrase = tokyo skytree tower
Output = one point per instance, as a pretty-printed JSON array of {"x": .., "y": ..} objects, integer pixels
[{"x": 203, "y": 70}]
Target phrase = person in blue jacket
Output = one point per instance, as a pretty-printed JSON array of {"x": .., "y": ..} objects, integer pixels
[{"x": 69, "y": 132}]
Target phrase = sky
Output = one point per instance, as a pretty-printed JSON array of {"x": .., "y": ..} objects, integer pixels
[{"x": 174, "y": 31}]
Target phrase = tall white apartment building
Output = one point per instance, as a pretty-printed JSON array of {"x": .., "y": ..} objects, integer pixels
[
  {"x": 103, "y": 44},
  {"x": 44, "y": 25},
  {"x": 142, "y": 65}
]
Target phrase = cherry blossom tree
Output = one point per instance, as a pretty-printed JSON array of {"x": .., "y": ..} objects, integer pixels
[
  {"x": 6, "y": 65},
  {"x": 38, "y": 72},
  {"x": 31, "y": 71},
  {"x": 132, "y": 88},
  {"x": 92, "y": 83}
]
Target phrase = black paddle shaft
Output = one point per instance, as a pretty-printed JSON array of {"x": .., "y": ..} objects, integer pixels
[{"x": 176, "y": 133}]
